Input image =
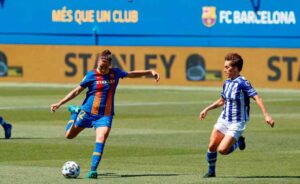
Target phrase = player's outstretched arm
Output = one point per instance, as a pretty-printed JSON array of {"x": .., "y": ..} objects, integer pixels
[
  {"x": 261, "y": 105},
  {"x": 72, "y": 94},
  {"x": 141, "y": 73},
  {"x": 214, "y": 105}
]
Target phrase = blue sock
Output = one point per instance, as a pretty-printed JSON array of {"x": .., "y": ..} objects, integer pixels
[
  {"x": 2, "y": 122},
  {"x": 97, "y": 154},
  {"x": 233, "y": 147},
  {"x": 69, "y": 125},
  {"x": 72, "y": 120},
  {"x": 211, "y": 158}
]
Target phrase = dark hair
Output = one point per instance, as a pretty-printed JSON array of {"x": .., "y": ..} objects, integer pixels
[
  {"x": 236, "y": 60},
  {"x": 105, "y": 55}
]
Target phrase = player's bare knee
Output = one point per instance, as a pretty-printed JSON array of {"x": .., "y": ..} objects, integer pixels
[
  {"x": 223, "y": 151},
  {"x": 100, "y": 138},
  {"x": 69, "y": 136},
  {"x": 212, "y": 148}
]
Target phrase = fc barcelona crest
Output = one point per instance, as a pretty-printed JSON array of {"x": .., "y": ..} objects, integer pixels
[{"x": 209, "y": 16}]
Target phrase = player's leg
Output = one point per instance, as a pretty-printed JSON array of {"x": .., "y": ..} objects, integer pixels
[
  {"x": 77, "y": 118},
  {"x": 74, "y": 110},
  {"x": 73, "y": 131},
  {"x": 101, "y": 136},
  {"x": 215, "y": 139},
  {"x": 227, "y": 145},
  {"x": 233, "y": 139},
  {"x": 103, "y": 127},
  {"x": 7, "y": 128},
  {"x": 211, "y": 155}
]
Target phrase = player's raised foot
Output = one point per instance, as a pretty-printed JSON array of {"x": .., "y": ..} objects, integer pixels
[
  {"x": 7, "y": 129},
  {"x": 92, "y": 175},
  {"x": 209, "y": 175},
  {"x": 73, "y": 109},
  {"x": 242, "y": 143}
]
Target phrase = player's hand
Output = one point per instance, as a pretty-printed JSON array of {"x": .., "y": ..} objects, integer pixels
[
  {"x": 54, "y": 107},
  {"x": 155, "y": 75},
  {"x": 202, "y": 114},
  {"x": 269, "y": 120}
]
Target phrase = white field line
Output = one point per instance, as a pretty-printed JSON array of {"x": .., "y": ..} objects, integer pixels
[
  {"x": 128, "y": 104},
  {"x": 280, "y": 100},
  {"x": 117, "y": 104},
  {"x": 141, "y": 87},
  {"x": 276, "y": 115},
  {"x": 24, "y": 107}
]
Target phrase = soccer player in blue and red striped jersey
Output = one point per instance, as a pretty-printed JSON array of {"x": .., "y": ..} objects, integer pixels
[
  {"x": 97, "y": 109},
  {"x": 226, "y": 135}
]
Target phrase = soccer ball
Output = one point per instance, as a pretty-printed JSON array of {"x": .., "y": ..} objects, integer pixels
[{"x": 70, "y": 169}]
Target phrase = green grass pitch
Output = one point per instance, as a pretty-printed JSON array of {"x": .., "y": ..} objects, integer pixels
[{"x": 156, "y": 138}]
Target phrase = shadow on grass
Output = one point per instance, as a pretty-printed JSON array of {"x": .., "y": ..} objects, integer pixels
[{"x": 114, "y": 175}]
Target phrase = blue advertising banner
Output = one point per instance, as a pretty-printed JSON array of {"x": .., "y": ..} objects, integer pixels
[{"x": 213, "y": 23}]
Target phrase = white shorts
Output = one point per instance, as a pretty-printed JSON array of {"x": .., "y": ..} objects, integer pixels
[{"x": 235, "y": 130}]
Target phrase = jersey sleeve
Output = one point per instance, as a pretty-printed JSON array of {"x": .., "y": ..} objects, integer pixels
[
  {"x": 120, "y": 73},
  {"x": 249, "y": 89},
  {"x": 85, "y": 81},
  {"x": 222, "y": 93}
]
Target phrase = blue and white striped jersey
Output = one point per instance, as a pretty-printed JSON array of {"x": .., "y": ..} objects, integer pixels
[{"x": 236, "y": 94}]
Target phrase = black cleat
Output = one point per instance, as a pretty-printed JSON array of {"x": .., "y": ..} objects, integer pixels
[
  {"x": 242, "y": 143},
  {"x": 209, "y": 175}
]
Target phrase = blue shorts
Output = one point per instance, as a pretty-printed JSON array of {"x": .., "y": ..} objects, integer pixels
[{"x": 87, "y": 120}]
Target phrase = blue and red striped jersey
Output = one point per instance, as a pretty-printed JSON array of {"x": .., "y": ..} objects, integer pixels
[
  {"x": 101, "y": 91},
  {"x": 236, "y": 94}
]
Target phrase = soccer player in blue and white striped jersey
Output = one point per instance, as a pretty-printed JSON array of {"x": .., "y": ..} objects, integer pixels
[{"x": 226, "y": 135}]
